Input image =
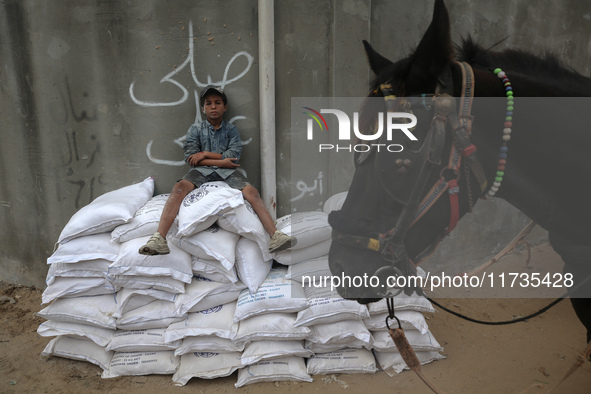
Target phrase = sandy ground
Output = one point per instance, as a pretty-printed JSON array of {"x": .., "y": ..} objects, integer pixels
[{"x": 479, "y": 359}]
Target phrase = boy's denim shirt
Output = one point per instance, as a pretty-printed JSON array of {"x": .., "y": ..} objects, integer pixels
[{"x": 201, "y": 137}]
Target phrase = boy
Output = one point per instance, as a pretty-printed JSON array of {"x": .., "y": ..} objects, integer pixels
[{"x": 212, "y": 149}]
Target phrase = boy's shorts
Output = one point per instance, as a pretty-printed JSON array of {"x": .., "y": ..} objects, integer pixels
[{"x": 235, "y": 180}]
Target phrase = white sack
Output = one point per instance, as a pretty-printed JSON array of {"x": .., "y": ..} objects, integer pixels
[
  {"x": 276, "y": 294},
  {"x": 108, "y": 289},
  {"x": 342, "y": 361},
  {"x": 202, "y": 206},
  {"x": 309, "y": 228},
  {"x": 151, "y": 340},
  {"x": 142, "y": 363},
  {"x": 213, "y": 270},
  {"x": 108, "y": 211},
  {"x": 270, "y": 327},
  {"x": 392, "y": 362},
  {"x": 409, "y": 320},
  {"x": 143, "y": 324},
  {"x": 419, "y": 342},
  {"x": 316, "y": 269},
  {"x": 282, "y": 369},
  {"x": 144, "y": 222},
  {"x": 75, "y": 287},
  {"x": 403, "y": 302},
  {"x": 244, "y": 221},
  {"x": 340, "y": 333},
  {"x": 270, "y": 350},
  {"x": 327, "y": 306},
  {"x": 251, "y": 266},
  {"x": 84, "y": 269},
  {"x": 129, "y": 299},
  {"x": 96, "y": 311},
  {"x": 319, "y": 348},
  {"x": 85, "y": 248},
  {"x": 206, "y": 365},
  {"x": 203, "y": 294},
  {"x": 78, "y": 349},
  {"x": 215, "y": 321},
  {"x": 156, "y": 314},
  {"x": 212, "y": 300},
  {"x": 100, "y": 336},
  {"x": 335, "y": 202},
  {"x": 211, "y": 243},
  {"x": 208, "y": 343},
  {"x": 176, "y": 265},
  {"x": 290, "y": 257},
  {"x": 162, "y": 283}
]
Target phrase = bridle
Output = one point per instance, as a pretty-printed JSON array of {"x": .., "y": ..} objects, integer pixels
[{"x": 425, "y": 162}]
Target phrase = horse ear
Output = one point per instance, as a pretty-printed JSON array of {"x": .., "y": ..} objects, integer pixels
[
  {"x": 435, "y": 51},
  {"x": 376, "y": 61}
]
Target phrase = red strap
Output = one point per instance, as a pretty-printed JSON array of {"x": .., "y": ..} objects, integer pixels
[
  {"x": 454, "y": 217},
  {"x": 469, "y": 150},
  {"x": 430, "y": 199}
]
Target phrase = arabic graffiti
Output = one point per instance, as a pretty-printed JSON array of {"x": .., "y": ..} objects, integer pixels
[
  {"x": 169, "y": 78},
  {"x": 77, "y": 155},
  {"x": 61, "y": 109},
  {"x": 82, "y": 148},
  {"x": 74, "y": 152},
  {"x": 304, "y": 189},
  {"x": 83, "y": 114}
]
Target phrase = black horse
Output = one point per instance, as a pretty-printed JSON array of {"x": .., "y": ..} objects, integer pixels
[{"x": 537, "y": 160}]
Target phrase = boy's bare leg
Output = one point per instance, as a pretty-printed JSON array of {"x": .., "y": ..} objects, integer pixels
[
  {"x": 279, "y": 240},
  {"x": 173, "y": 204},
  {"x": 157, "y": 244},
  {"x": 252, "y": 195}
]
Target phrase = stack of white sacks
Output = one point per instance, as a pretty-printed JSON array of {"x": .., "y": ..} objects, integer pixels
[{"x": 216, "y": 303}]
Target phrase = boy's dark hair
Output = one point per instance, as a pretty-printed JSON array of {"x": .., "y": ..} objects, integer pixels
[{"x": 209, "y": 89}]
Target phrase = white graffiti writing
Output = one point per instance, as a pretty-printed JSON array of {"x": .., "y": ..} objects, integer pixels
[
  {"x": 303, "y": 188},
  {"x": 169, "y": 78}
]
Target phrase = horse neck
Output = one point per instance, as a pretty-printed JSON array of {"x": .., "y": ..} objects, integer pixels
[{"x": 547, "y": 168}]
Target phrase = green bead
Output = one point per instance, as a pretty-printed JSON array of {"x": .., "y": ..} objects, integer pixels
[
  {"x": 510, "y": 101},
  {"x": 508, "y": 118},
  {"x": 500, "y": 174},
  {"x": 510, "y": 108},
  {"x": 510, "y": 93},
  {"x": 497, "y": 70},
  {"x": 499, "y": 179}
]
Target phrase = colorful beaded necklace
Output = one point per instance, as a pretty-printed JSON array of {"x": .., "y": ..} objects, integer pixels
[{"x": 506, "y": 134}]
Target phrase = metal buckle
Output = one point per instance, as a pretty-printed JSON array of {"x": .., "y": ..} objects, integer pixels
[{"x": 383, "y": 274}]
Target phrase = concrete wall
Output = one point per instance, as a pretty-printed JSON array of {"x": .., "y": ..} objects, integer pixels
[{"x": 97, "y": 95}]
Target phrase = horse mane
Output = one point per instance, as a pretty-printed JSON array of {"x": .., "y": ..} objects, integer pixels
[
  {"x": 547, "y": 67},
  {"x": 546, "y": 70}
]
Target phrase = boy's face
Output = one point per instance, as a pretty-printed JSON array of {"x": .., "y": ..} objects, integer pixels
[{"x": 214, "y": 107}]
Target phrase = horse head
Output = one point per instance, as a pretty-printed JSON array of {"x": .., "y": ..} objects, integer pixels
[{"x": 393, "y": 216}]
